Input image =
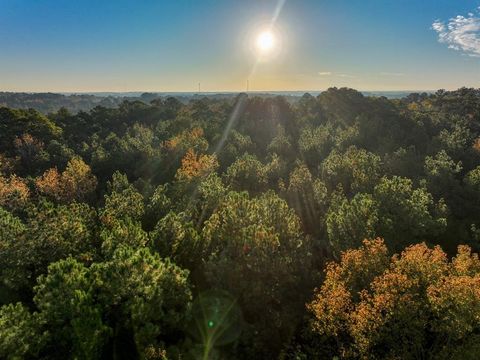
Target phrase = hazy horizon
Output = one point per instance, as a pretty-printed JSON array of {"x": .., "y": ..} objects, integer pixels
[{"x": 220, "y": 92}]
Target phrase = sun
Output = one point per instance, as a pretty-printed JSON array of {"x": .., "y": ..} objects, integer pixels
[{"x": 265, "y": 41}]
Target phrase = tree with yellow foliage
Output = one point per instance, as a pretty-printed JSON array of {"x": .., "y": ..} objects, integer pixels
[
  {"x": 73, "y": 184},
  {"x": 417, "y": 304}
]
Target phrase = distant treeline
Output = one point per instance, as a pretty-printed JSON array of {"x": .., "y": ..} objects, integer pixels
[{"x": 51, "y": 102}]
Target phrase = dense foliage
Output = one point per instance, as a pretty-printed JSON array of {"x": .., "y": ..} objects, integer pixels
[{"x": 235, "y": 229}]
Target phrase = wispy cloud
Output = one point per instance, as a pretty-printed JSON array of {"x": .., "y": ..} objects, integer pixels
[
  {"x": 329, "y": 73},
  {"x": 347, "y": 76},
  {"x": 386, "y": 73},
  {"x": 461, "y": 33}
]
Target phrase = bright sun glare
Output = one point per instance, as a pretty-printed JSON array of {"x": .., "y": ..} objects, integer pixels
[{"x": 265, "y": 41}]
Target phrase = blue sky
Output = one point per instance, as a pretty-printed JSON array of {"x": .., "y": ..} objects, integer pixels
[{"x": 155, "y": 45}]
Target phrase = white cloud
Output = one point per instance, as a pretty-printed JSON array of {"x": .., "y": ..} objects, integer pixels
[
  {"x": 461, "y": 33},
  {"x": 329, "y": 73},
  {"x": 386, "y": 73},
  {"x": 346, "y": 76}
]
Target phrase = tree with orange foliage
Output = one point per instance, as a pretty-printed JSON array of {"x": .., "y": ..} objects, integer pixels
[
  {"x": 50, "y": 184},
  {"x": 414, "y": 305},
  {"x": 476, "y": 145},
  {"x": 196, "y": 166},
  {"x": 176, "y": 147},
  {"x": 188, "y": 139},
  {"x": 75, "y": 183},
  {"x": 14, "y": 192}
]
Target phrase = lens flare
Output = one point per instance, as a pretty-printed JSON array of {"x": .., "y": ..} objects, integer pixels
[{"x": 216, "y": 321}]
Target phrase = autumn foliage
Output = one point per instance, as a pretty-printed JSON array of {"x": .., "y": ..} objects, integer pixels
[
  {"x": 196, "y": 166},
  {"x": 14, "y": 192},
  {"x": 417, "y": 303},
  {"x": 75, "y": 183}
]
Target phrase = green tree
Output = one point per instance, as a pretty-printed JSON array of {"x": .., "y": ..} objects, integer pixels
[
  {"x": 51, "y": 233},
  {"x": 257, "y": 252},
  {"x": 145, "y": 297},
  {"x": 315, "y": 144},
  {"x": 357, "y": 170},
  {"x": 407, "y": 215},
  {"x": 309, "y": 198},
  {"x": 176, "y": 237},
  {"x": 247, "y": 173},
  {"x": 122, "y": 200},
  {"x": 350, "y": 221},
  {"x": 21, "y": 334},
  {"x": 66, "y": 301},
  {"x": 124, "y": 305},
  {"x": 281, "y": 144},
  {"x": 122, "y": 232}
]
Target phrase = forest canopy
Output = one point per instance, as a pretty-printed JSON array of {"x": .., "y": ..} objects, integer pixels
[{"x": 340, "y": 225}]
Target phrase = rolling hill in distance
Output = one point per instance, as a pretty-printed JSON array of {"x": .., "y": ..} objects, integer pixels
[{"x": 47, "y": 102}]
